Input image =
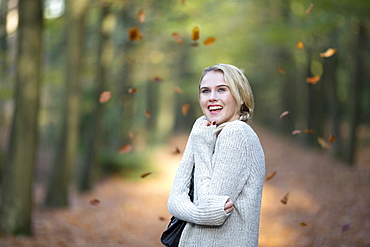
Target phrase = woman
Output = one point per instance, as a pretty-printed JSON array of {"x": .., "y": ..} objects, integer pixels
[{"x": 229, "y": 166}]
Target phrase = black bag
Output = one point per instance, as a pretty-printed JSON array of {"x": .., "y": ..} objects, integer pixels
[{"x": 171, "y": 236}]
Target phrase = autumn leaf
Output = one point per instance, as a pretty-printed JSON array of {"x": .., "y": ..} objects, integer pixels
[
  {"x": 210, "y": 41},
  {"x": 185, "y": 109},
  {"x": 161, "y": 218},
  {"x": 328, "y": 53},
  {"x": 132, "y": 90},
  {"x": 145, "y": 174},
  {"x": 177, "y": 151},
  {"x": 284, "y": 114},
  {"x": 323, "y": 143},
  {"x": 332, "y": 138},
  {"x": 94, "y": 202},
  {"x": 309, "y": 131},
  {"x": 195, "y": 34},
  {"x": 270, "y": 176},
  {"x": 130, "y": 59},
  {"x": 177, "y": 38},
  {"x": 147, "y": 114},
  {"x": 183, "y": 2},
  {"x": 345, "y": 227},
  {"x": 140, "y": 16},
  {"x": 105, "y": 96},
  {"x": 158, "y": 79},
  {"x": 281, "y": 70},
  {"x": 300, "y": 45},
  {"x": 178, "y": 90},
  {"x": 303, "y": 224},
  {"x": 296, "y": 132},
  {"x": 308, "y": 10},
  {"x": 125, "y": 149},
  {"x": 284, "y": 200},
  {"x": 313, "y": 79},
  {"x": 134, "y": 34}
]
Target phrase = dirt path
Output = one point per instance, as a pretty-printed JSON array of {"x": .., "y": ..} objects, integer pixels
[{"x": 328, "y": 205}]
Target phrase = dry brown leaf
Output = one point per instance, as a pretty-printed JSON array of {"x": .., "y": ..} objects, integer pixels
[
  {"x": 270, "y": 176},
  {"x": 195, "y": 33},
  {"x": 185, "y": 109},
  {"x": 296, "y": 132},
  {"x": 332, "y": 138},
  {"x": 134, "y": 34},
  {"x": 210, "y": 41},
  {"x": 313, "y": 79},
  {"x": 183, "y": 2},
  {"x": 105, "y": 96},
  {"x": 284, "y": 114},
  {"x": 328, "y": 53},
  {"x": 94, "y": 202},
  {"x": 145, "y": 174},
  {"x": 125, "y": 149},
  {"x": 284, "y": 200},
  {"x": 281, "y": 70},
  {"x": 323, "y": 143},
  {"x": 177, "y": 151},
  {"x": 308, "y": 10},
  {"x": 177, "y": 38},
  {"x": 178, "y": 90},
  {"x": 140, "y": 16},
  {"x": 309, "y": 131},
  {"x": 158, "y": 79},
  {"x": 132, "y": 90},
  {"x": 147, "y": 114},
  {"x": 303, "y": 224},
  {"x": 300, "y": 45}
]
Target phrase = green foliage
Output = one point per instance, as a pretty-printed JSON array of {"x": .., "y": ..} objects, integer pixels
[{"x": 128, "y": 165}]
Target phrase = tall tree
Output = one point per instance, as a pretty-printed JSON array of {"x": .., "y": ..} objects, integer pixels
[
  {"x": 16, "y": 203},
  {"x": 61, "y": 174},
  {"x": 90, "y": 169}
]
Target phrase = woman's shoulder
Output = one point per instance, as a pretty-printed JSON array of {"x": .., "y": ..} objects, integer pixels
[{"x": 238, "y": 127}]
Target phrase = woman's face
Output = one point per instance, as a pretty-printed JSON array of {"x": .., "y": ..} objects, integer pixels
[{"x": 216, "y": 100}]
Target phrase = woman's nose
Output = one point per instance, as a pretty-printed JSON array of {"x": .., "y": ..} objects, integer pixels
[{"x": 213, "y": 96}]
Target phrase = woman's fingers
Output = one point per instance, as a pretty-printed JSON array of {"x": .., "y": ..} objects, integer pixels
[{"x": 229, "y": 206}]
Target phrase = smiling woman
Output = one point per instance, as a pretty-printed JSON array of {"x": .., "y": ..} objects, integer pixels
[{"x": 228, "y": 162}]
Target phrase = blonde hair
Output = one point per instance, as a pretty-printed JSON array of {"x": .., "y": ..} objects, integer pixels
[{"x": 239, "y": 88}]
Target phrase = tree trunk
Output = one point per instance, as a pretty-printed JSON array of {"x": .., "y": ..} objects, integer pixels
[
  {"x": 16, "y": 204},
  {"x": 58, "y": 189},
  {"x": 90, "y": 169},
  {"x": 356, "y": 90}
]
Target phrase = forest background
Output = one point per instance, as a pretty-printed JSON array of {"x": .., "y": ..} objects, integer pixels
[{"x": 96, "y": 85}]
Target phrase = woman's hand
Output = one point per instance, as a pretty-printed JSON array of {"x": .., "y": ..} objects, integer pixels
[
  {"x": 229, "y": 206},
  {"x": 208, "y": 123}
]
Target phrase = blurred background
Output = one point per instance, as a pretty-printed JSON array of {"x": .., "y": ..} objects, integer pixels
[{"x": 92, "y": 88}]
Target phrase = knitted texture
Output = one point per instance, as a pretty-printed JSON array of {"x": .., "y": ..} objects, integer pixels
[{"x": 228, "y": 164}]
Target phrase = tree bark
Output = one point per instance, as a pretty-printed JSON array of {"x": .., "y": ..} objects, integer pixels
[
  {"x": 61, "y": 174},
  {"x": 16, "y": 203}
]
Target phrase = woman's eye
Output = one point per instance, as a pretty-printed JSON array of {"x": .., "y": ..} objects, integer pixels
[
  {"x": 205, "y": 91},
  {"x": 222, "y": 89}
]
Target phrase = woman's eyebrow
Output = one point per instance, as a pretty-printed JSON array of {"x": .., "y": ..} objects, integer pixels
[{"x": 221, "y": 85}]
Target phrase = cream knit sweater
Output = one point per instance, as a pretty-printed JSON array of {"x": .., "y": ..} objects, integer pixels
[{"x": 230, "y": 165}]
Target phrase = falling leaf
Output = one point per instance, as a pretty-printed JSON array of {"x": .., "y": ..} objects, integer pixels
[
  {"x": 284, "y": 200},
  {"x": 158, "y": 79},
  {"x": 281, "y": 70},
  {"x": 132, "y": 90},
  {"x": 134, "y": 34},
  {"x": 345, "y": 227},
  {"x": 332, "y": 138},
  {"x": 185, "y": 109},
  {"x": 300, "y": 45},
  {"x": 195, "y": 33},
  {"x": 130, "y": 59},
  {"x": 125, "y": 149},
  {"x": 270, "y": 176},
  {"x": 303, "y": 224},
  {"x": 177, "y": 151},
  {"x": 309, "y": 131},
  {"x": 140, "y": 16},
  {"x": 308, "y": 10},
  {"x": 94, "y": 202},
  {"x": 147, "y": 114},
  {"x": 177, "y": 38},
  {"x": 284, "y": 114},
  {"x": 105, "y": 96},
  {"x": 161, "y": 218},
  {"x": 328, "y": 53},
  {"x": 323, "y": 143},
  {"x": 210, "y": 41},
  {"x": 296, "y": 132},
  {"x": 183, "y": 2},
  {"x": 178, "y": 90},
  {"x": 313, "y": 79},
  {"x": 145, "y": 174}
]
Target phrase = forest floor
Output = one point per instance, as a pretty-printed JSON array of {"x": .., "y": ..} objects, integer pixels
[{"x": 328, "y": 204}]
